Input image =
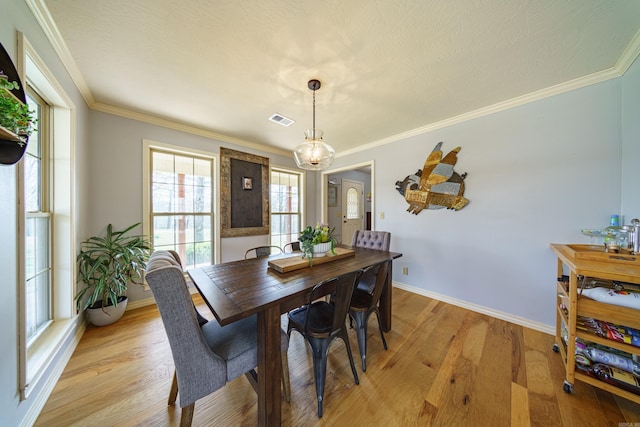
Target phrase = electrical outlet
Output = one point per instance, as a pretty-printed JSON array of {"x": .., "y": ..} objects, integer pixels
[
  {"x": 405, "y": 271},
  {"x": 381, "y": 215}
]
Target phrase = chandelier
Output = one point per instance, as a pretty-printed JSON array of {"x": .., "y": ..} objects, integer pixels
[{"x": 313, "y": 153}]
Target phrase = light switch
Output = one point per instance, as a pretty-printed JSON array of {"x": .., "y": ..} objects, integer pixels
[{"x": 381, "y": 215}]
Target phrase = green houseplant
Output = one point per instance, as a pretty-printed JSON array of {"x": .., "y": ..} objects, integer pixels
[
  {"x": 106, "y": 265},
  {"x": 312, "y": 236},
  {"x": 15, "y": 116}
]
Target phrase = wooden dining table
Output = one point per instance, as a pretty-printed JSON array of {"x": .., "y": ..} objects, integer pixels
[{"x": 238, "y": 289}]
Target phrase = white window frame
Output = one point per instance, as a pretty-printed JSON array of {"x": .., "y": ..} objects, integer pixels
[
  {"x": 147, "y": 147},
  {"x": 35, "y": 357},
  {"x": 301, "y": 196}
]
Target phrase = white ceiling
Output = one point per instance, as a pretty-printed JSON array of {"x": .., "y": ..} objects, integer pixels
[{"x": 388, "y": 67}]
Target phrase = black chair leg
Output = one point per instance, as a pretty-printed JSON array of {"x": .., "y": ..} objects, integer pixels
[
  {"x": 345, "y": 338},
  {"x": 360, "y": 318},
  {"x": 320, "y": 348},
  {"x": 384, "y": 342}
]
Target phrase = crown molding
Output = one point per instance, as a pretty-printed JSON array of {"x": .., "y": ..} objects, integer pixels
[
  {"x": 629, "y": 55},
  {"x": 48, "y": 25},
  {"x": 194, "y": 130}
]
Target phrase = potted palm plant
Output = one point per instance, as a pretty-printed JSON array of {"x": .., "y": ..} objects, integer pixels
[{"x": 106, "y": 265}]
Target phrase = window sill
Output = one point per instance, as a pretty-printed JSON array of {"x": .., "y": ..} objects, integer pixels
[{"x": 48, "y": 346}]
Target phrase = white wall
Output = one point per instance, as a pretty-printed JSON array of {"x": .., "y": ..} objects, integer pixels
[
  {"x": 631, "y": 143},
  {"x": 537, "y": 174}
]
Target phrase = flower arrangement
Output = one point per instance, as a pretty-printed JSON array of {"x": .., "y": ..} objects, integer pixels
[{"x": 311, "y": 236}]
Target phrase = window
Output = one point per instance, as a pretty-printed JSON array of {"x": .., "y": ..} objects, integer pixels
[
  {"x": 46, "y": 216},
  {"x": 181, "y": 210},
  {"x": 37, "y": 223},
  {"x": 286, "y": 202}
]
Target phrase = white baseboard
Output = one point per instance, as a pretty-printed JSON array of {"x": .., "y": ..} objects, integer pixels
[
  {"x": 542, "y": 327},
  {"x": 132, "y": 305}
]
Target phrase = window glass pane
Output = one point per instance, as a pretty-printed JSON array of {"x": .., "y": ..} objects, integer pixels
[
  {"x": 202, "y": 172},
  {"x": 202, "y": 199},
  {"x": 162, "y": 197},
  {"x": 32, "y": 183},
  {"x": 185, "y": 197},
  {"x": 184, "y": 170},
  {"x": 162, "y": 168},
  {"x": 353, "y": 204}
]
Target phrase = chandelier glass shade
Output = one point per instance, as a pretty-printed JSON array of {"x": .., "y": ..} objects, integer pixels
[{"x": 314, "y": 153}]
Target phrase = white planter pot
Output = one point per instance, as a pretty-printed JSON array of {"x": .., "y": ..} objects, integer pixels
[
  {"x": 107, "y": 315},
  {"x": 321, "y": 249}
]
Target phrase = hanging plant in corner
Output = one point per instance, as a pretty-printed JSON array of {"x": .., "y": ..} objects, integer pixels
[{"x": 106, "y": 265}]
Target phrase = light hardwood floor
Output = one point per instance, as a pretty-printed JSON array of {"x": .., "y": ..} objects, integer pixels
[{"x": 445, "y": 366}]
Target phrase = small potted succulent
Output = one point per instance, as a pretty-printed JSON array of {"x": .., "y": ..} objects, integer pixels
[{"x": 316, "y": 241}]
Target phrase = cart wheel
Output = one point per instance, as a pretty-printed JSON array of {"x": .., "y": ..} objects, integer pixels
[
  {"x": 567, "y": 387},
  {"x": 556, "y": 349}
]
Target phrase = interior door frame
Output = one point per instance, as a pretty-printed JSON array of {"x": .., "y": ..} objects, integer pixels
[{"x": 324, "y": 180}]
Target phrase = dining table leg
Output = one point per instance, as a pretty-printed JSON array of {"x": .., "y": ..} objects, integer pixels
[
  {"x": 269, "y": 368},
  {"x": 385, "y": 301}
]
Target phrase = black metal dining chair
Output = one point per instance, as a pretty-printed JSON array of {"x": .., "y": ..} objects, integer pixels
[
  {"x": 291, "y": 247},
  {"x": 363, "y": 304},
  {"x": 321, "y": 322},
  {"x": 262, "y": 251}
]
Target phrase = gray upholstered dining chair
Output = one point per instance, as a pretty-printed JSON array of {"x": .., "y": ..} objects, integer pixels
[
  {"x": 379, "y": 240},
  {"x": 262, "y": 251},
  {"x": 363, "y": 304},
  {"x": 321, "y": 322},
  {"x": 206, "y": 357},
  {"x": 371, "y": 239}
]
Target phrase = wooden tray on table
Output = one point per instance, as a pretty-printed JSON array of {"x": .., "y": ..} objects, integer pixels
[{"x": 284, "y": 265}]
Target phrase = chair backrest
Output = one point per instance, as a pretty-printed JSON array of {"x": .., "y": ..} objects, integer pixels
[
  {"x": 381, "y": 278},
  {"x": 342, "y": 289},
  {"x": 191, "y": 354},
  {"x": 371, "y": 239},
  {"x": 262, "y": 251},
  {"x": 291, "y": 247}
]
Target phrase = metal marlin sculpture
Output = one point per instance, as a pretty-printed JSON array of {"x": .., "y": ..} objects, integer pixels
[{"x": 436, "y": 185}]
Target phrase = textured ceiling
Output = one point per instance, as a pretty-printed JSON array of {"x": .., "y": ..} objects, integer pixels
[{"x": 387, "y": 67}]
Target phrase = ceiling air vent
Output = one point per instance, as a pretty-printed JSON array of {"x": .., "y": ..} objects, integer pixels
[{"x": 281, "y": 120}]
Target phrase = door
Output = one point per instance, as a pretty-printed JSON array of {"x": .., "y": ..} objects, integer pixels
[{"x": 352, "y": 208}]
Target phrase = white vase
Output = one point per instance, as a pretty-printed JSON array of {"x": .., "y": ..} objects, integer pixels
[{"x": 321, "y": 249}]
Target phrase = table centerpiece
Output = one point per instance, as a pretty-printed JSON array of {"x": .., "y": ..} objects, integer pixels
[{"x": 316, "y": 241}]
